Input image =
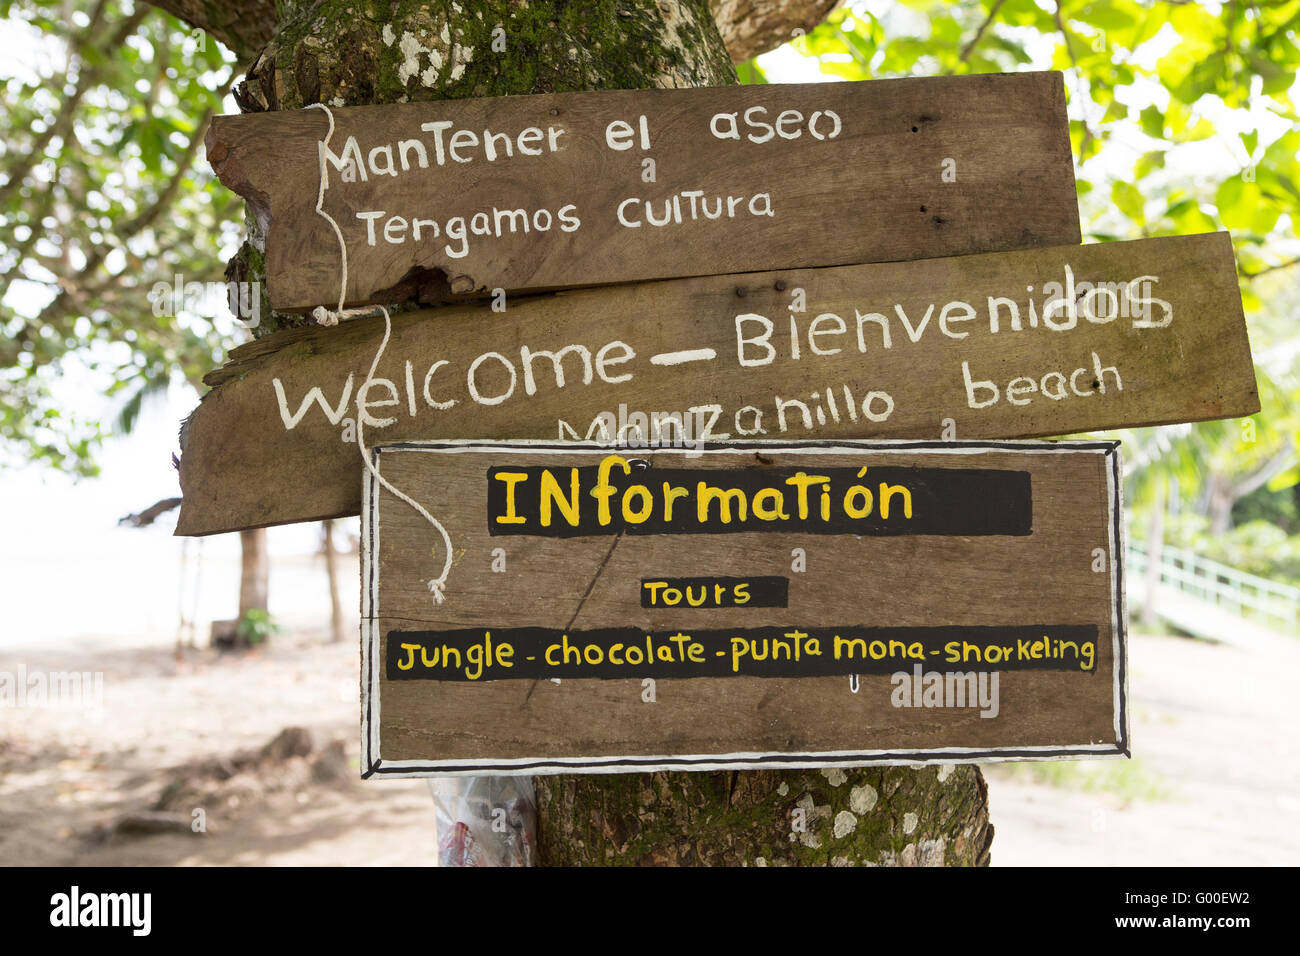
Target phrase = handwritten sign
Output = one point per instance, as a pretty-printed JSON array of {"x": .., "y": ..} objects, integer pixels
[
  {"x": 746, "y": 604},
  {"x": 532, "y": 192},
  {"x": 1043, "y": 342}
]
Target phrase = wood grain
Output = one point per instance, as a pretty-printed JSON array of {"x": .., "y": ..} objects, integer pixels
[
  {"x": 1051, "y": 578},
  {"x": 874, "y": 192},
  {"x": 242, "y": 467}
]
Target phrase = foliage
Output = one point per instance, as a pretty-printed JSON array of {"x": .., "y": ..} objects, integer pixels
[
  {"x": 1256, "y": 546},
  {"x": 102, "y": 195},
  {"x": 1129, "y": 781},
  {"x": 257, "y": 626},
  {"x": 1281, "y": 508},
  {"x": 1182, "y": 120},
  {"x": 1146, "y": 81}
]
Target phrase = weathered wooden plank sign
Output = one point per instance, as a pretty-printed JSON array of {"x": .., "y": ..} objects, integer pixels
[
  {"x": 1043, "y": 342},
  {"x": 575, "y": 189},
  {"x": 742, "y": 605}
]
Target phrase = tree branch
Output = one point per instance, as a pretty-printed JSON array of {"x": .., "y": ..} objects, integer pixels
[
  {"x": 979, "y": 34},
  {"x": 81, "y": 280},
  {"x": 151, "y": 514},
  {"x": 1074, "y": 65},
  {"x": 1282, "y": 460},
  {"x": 1255, "y": 274},
  {"x": 748, "y": 27},
  {"x": 244, "y": 26},
  {"x": 751, "y": 27},
  {"x": 87, "y": 77}
]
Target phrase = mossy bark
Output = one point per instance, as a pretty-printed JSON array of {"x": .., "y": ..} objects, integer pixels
[
  {"x": 357, "y": 52},
  {"x": 885, "y": 816},
  {"x": 390, "y": 51}
]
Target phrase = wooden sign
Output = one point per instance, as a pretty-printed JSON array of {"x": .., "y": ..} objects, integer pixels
[
  {"x": 575, "y": 189},
  {"x": 749, "y": 604},
  {"x": 1044, "y": 342}
]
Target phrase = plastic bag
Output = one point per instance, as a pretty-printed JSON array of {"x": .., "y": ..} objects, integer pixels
[{"x": 485, "y": 821}]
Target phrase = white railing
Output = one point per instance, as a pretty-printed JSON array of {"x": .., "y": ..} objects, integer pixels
[{"x": 1247, "y": 595}]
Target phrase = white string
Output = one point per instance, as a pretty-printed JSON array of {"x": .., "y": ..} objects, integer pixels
[
  {"x": 326, "y": 317},
  {"x": 438, "y": 584}
]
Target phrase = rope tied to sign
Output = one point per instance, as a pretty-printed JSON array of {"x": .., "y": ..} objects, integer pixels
[{"x": 328, "y": 317}]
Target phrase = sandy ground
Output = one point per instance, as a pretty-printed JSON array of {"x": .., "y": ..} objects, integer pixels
[
  {"x": 1215, "y": 780},
  {"x": 65, "y": 773}
]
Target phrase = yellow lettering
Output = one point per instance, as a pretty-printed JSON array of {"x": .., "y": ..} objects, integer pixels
[
  {"x": 888, "y": 491},
  {"x": 705, "y": 493},
  {"x": 603, "y": 490},
  {"x": 511, "y": 478},
  {"x": 551, "y": 493},
  {"x": 774, "y": 512},
  {"x": 410, "y": 657},
  {"x": 802, "y": 481}
]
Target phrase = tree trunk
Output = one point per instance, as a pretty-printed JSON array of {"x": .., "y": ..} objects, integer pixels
[
  {"x": 375, "y": 51},
  {"x": 1220, "y": 498},
  {"x": 254, "y": 576},
  {"x": 886, "y": 816},
  {"x": 332, "y": 573},
  {"x": 1222, "y": 492}
]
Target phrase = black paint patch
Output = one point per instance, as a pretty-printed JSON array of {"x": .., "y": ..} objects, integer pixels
[
  {"x": 944, "y": 501},
  {"x": 474, "y": 655},
  {"x": 762, "y": 591}
]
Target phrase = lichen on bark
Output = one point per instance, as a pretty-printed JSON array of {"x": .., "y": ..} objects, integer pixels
[
  {"x": 351, "y": 52},
  {"x": 880, "y": 816}
]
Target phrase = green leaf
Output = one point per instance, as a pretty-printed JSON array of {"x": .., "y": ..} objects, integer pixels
[
  {"x": 1129, "y": 200},
  {"x": 1148, "y": 162},
  {"x": 750, "y": 73},
  {"x": 1153, "y": 122},
  {"x": 1108, "y": 16},
  {"x": 1243, "y": 206}
]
